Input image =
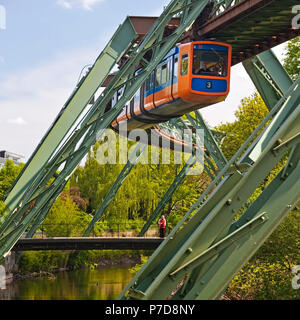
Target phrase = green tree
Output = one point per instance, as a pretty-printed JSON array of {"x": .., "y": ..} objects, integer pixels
[
  {"x": 248, "y": 116},
  {"x": 8, "y": 175},
  {"x": 292, "y": 58},
  {"x": 139, "y": 194},
  {"x": 65, "y": 219}
]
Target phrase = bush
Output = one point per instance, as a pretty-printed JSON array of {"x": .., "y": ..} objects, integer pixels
[
  {"x": 268, "y": 274},
  {"x": 33, "y": 261}
]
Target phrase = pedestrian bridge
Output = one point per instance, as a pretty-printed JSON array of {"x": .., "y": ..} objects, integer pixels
[{"x": 36, "y": 244}]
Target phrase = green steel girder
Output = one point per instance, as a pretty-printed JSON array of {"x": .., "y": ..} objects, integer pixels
[
  {"x": 280, "y": 198},
  {"x": 214, "y": 218},
  {"x": 210, "y": 260},
  {"x": 80, "y": 97},
  {"x": 94, "y": 123},
  {"x": 174, "y": 124},
  {"x": 41, "y": 217},
  {"x": 220, "y": 246},
  {"x": 197, "y": 124},
  {"x": 291, "y": 101},
  {"x": 206, "y": 248},
  {"x": 268, "y": 76},
  {"x": 133, "y": 158},
  {"x": 168, "y": 195},
  {"x": 197, "y": 273},
  {"x": 210, "y": 143}
]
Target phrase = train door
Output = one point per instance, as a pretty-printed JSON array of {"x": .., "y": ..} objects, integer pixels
[{"x": 174, "y": 91}]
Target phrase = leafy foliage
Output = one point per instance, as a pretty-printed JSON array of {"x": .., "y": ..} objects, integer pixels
[
  {"x": 65, "y": 219},
  {"x": 268, "y": 275},
  {"x": 8, "y": 175},
  {"x": 139, "y": 194},
  {"x": 292, "y": 59},
  {"x": 249, "y": 115}
]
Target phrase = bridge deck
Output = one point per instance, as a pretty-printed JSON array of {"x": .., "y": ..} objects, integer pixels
[{"x": 37, "y": 244}]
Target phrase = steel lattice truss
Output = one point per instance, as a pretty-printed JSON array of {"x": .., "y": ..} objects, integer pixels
[{"x": 206, "y": 249}]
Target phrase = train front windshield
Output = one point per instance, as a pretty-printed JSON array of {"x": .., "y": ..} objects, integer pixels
[{"x": 210, "y": 61}]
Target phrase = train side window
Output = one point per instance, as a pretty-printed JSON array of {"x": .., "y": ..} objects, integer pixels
[
  {"x": 120, "y": 93},
  {"x": 170, "y": 69},
  {"x": 158, "y": 77},
  {"x": 137, "y": 97},
  {"x": 151, "y": 81},
  {"x": 114, "y": 99},
  {"x": 147, "y": 84},
  {"x": 175, "y": 68},
  {"x": 184, "y": 64},
  {"x": 164, "y": 73}
]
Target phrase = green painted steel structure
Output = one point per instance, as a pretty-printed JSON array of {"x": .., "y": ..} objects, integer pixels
[
  {"x": 207, "y": 247},
  {"x": 133, "y": 158},
  {"x": 202, "y": 245},
  {"x": 36, "y": 191}
]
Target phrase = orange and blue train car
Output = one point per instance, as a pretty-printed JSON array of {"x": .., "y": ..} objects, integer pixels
[{"x": 192, "y": 76}]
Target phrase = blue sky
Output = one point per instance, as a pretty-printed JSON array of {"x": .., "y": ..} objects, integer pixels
[{"x": 43, "y": 49}]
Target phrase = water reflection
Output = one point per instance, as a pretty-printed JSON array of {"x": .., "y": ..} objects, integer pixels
[{"x": 100, "y": 284}]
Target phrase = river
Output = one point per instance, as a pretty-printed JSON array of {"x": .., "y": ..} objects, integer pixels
[{"x": 105, "y": 283}]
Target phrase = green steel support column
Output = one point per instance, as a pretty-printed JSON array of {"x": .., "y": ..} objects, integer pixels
[
  {"x": 115, "y": 49},
  {"x": 217, "y": 255},
  {"x": 193, "y": 236},
  {"x": 268, "y": 76},
  {"x": 168, "y": 195},
  {"x": 279, "y": 199},
  {"x": 210, "y": 143},
  {"x": 177, "y": 181},
  {"x": 140, "y": 148},
  {"x": 208, "y": 165},
  {"x": 41, "y": 217},
  {"x": 95, "y": 122}
]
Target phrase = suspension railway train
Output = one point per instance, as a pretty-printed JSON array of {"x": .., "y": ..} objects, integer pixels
[{"x": 192, "y": 76}]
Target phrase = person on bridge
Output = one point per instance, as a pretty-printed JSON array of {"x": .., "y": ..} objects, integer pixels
[{"x": 162, "y": 226}]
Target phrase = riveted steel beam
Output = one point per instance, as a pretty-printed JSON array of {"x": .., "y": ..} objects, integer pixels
[
  {"x": 219, "y": 246},
  {"x": 268, "y": 76},
  {"x": 280, "y": 198},
  {"x": 210, "y": 143},
  {"x": 213, "y": 218}
]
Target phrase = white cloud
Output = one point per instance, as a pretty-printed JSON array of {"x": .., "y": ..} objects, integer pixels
[
  {"x": 64, "y": 4},
  {"x": 18, "y": 121},
  {"x": 84, "y": 4},
  {"x": 37, "y": 95}
]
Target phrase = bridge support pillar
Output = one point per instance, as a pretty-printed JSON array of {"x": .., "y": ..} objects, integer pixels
[{"x": 269, "y": 77}]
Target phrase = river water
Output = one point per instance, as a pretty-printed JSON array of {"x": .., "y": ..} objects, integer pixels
[{"x": 105, "y": 283}]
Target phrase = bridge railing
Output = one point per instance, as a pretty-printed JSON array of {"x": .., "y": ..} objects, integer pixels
[{"x": 121, "y": 229}]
